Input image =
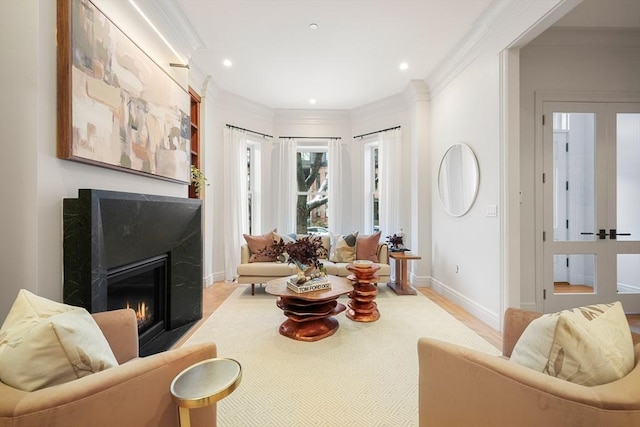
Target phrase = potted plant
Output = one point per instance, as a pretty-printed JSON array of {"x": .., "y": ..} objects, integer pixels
[
  {"x": 198, "y": 180},
  {"x": 304, "y": 253}
]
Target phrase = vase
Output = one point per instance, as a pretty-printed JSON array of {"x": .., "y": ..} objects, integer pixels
[{"x": 305, "y": 272}]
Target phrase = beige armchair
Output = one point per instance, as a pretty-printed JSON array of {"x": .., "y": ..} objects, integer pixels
[
  {"x": 135, "y": 393},
  {"x": 463, "y": 387}
]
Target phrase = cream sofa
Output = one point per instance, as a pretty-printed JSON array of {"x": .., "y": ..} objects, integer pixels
[
  {"x": 135, "y": 393},
  {"x": 462, "y": 387},
  {"x": 261, "y": 272}
]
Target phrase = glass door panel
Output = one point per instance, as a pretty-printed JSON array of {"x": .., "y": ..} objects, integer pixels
[
  {"x": 627, "y": 177},
  {"x": 628, "y": 274},
  {"x": 574, "y": 177},
  {"x": 574, "y": 273}
]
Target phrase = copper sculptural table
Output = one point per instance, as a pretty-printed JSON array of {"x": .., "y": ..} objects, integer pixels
[
  {"x": 362, "y": 306},
  {"x": 309, "y": 314},
  {"x": 401, "y": 286}
]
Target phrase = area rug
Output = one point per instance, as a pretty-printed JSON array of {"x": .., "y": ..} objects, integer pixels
[{"x": 366, "y": 374}]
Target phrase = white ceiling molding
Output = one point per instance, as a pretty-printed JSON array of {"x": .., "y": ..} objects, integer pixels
[
  {"x": 171, "y": 21},
  {"x": 493, "y": 22},
  {"x": 468, "y": 48}
]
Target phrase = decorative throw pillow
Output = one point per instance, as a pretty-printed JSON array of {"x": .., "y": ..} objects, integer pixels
[
  {"x": 44, "y": 343},
  {"x": 343, "y": 248},
  {"x": 589, "y": 345},
  {"x": 367, "y": 247},
  {"x": 258, "y": 243}
]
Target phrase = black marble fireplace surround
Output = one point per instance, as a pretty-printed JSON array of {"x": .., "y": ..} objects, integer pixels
[{"x": 104, "y": 230}]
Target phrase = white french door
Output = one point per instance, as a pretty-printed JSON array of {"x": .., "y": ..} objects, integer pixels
[{"x": 591, "y": 204}]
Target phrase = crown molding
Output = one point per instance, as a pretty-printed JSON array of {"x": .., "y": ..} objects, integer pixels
[
  {"x": 501, "y": 25},
  {"x": 173, "y": 24}
]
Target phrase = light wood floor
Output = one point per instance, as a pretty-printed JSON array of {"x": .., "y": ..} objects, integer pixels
[{"x": 216, "y": 294}]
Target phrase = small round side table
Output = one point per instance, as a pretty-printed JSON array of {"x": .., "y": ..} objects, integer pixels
[{"x": 203, "y": 384}]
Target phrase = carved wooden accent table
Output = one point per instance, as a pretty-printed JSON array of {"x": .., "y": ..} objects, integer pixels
[
  {"x": 362, "y": 306},
  {"x": 309, "y": 314}
]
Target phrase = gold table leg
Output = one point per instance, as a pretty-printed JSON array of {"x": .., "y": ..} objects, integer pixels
[{"x": 183, "y": 416}]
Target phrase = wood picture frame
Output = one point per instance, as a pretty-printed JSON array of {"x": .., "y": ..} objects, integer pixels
[{"x": 117, "y": 108}]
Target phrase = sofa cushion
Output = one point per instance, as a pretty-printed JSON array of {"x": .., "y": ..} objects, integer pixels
[
  {"x": 266, "y": 269},
  {"x": 258, "y": 243},
  {"x": 343, "y": 247},
  {"x": 44, "y": 343},
  {"x": 367, "y": 247},
  {"x": 589, "y": 345}
]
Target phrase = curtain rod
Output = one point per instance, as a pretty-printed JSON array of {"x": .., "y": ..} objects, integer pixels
[
  {"x": 247, "y": 130},
  {"x": 378, "y": 131},
  {"x": 310, "y": 137}
]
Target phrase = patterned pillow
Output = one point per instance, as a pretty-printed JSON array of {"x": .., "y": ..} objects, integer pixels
[
  {"x": 343, "y": 248},
  {"x": 44, "y": 343},
  {"x": 258, "y": 243},
  {"x": 589, "y": 345},
  {"x": 367, "y": 247}
]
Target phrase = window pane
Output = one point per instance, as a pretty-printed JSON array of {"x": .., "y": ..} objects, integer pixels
[
  {"x": 313, "y": 182},
  {"x": 376, "y": 192}
]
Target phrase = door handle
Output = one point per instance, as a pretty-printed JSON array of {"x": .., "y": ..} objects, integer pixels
[
  {"x": 602, "y": 234},
  {"x": 613, "y": 234}
]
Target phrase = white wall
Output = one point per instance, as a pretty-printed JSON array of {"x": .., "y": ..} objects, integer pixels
[
  {"x": 466, "y": 250},
  {"x": 33, "y": 181},
  {"x": 591, "y": 64}
]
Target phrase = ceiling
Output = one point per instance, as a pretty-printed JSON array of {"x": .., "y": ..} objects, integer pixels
[{"x": 353, "y": 56}]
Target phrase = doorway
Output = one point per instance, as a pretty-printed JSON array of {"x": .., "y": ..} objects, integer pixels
[{"x": 591, "y": 204}]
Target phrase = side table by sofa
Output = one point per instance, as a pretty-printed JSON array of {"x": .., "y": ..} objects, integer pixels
[
  {"x": 402, "y": 286},
  {"x": 203, "y": 384}
]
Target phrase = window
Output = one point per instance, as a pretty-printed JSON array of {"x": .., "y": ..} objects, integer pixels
[
  {"x": 372, "y": 192},
  {"x": 313, "y": 182}
]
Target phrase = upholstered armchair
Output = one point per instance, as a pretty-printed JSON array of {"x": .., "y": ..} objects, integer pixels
[
  {"x": 135, "y": 393},
  {"x": 462, "y": 387}
]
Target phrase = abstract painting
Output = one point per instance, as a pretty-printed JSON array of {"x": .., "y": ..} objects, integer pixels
[{"x": 116, "y": 107}]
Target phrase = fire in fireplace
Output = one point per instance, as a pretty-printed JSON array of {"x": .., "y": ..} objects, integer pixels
[{"x": 142, "y": 287}]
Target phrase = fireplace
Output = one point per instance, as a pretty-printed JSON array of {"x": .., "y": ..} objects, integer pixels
[
  {"x": 141, "y": 286},
  {"x": 139, "y": 251}
]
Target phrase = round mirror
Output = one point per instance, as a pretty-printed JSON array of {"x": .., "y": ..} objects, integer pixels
[{"x": 458, "y": 179}]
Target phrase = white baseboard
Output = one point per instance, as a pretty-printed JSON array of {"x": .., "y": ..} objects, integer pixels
[
  {"x": 218, "y": 277},
  {"x": 420, "y": 281},
  {"x": 485, "y": 315},
  {"x": 207, "y": 281}
]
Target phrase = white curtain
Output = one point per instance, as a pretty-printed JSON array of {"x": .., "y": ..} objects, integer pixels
[
  {"x": 336, "y": 184},
  {"x": 389, "y": 151},
  {"x": 235, "y": 198},
  {"x": 288, "y": 186}
]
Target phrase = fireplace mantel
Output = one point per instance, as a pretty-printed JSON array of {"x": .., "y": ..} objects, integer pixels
[{"x": 107, "y": 229}]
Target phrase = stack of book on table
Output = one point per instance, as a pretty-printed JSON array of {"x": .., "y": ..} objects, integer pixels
[{"x": 315, "y": 284}]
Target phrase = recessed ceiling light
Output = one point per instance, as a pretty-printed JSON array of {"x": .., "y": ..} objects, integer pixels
[
  {"x": 313, "y": 26},
  {"x": 312, "y": 101},
  {"x": 403, "y": 66},
  {"x": 227, "y": 63}
]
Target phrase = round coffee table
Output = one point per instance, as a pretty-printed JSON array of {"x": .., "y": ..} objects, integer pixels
[
  {"x": 309, "y": 314},
  {"x": 203, "y": 384}
]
